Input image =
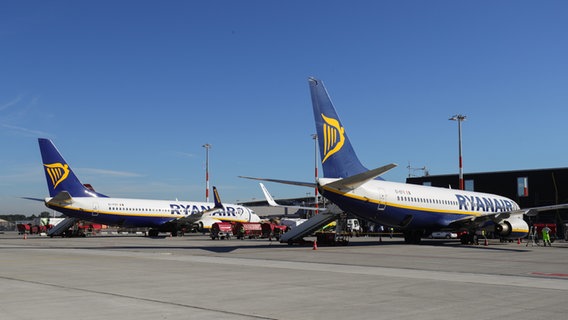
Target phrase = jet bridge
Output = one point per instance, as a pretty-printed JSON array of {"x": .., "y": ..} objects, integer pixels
[{"x": 308, "y": 227}]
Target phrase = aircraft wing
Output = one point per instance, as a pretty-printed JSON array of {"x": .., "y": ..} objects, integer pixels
[
  {"x": 531, "y": 212},
  {"x": 357, "y": 180},
  {"x": 499, "y": 216}
]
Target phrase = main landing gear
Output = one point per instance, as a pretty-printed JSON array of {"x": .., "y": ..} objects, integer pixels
[
  {"x": 469, "y": 238},
  {"x": 413, "y": 236}
]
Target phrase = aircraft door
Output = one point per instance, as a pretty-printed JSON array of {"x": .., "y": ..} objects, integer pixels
[
  {"x": 95, "y": 210},
  {"x": 382, "y": 200}
]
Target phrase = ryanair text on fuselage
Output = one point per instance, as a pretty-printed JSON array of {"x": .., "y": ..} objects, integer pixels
[{"x": 475, "y": 203}]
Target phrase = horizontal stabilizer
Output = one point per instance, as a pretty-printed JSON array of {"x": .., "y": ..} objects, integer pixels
[
  {"x": 33, "y": 199},
  {"x": 62, "y": 197},
  {"x": 294, "y": 183},
  {"x": 357, "y": 180}
]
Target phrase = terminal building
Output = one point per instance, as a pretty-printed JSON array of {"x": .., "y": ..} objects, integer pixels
[{"x": 529, "y": 188}]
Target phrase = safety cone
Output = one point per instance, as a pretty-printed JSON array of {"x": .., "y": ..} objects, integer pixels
[
  {"x": 486, "y": 242},
  {"x": 25, "y": 236},
  {"x": 518, "y": 240},
  {"x": 315, "y": 245}
]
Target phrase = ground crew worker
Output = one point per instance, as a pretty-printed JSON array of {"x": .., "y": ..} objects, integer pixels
[
  {"x": 391, "y": 232},
  {"x": 546, "y": 236},
  {"x": 242, "y": 232}
]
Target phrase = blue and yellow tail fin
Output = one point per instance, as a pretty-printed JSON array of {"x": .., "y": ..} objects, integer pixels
[
  {"x": 337, "y": 155},
  {"x": 59, "y": 175},
  {"x": 217, "y": 199}
]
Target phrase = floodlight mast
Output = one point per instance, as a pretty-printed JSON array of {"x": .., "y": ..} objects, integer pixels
[
  {"x": 207, "y": 146},
  {"x": 459, "y": 118}
]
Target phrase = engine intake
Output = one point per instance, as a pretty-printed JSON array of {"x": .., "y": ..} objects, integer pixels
[{"x": 514, "y": 228}]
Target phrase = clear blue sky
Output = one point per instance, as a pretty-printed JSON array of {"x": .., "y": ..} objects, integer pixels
[{"x": 129, "y": 91}]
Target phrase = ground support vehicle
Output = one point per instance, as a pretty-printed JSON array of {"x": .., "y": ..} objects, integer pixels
[
  {"x": 23, "y": 228},
  {"x": 221, "y": 230},
  {"x": 272, "y": 230},
  {"x": 251, "y": 230},
  {"x": 332, "y": 238}
]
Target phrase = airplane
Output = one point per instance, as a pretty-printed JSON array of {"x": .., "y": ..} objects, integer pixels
[
  {"x": 415, "y": 209},
  {"x": 77, "y": 201}
]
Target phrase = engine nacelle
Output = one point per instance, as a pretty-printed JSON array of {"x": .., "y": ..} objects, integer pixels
[
  {"x": 204, "y": 224},
  {"x": 513, "y": 228}
]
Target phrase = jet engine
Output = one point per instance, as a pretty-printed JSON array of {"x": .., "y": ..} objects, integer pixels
[
  {"x": 512, "y": 229},
  {"x": 204, "y": 224}
]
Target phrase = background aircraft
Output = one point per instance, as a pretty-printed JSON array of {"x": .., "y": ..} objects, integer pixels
[{"x": 70, "y": 197}]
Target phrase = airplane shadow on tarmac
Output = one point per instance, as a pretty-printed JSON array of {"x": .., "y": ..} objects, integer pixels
[{"x": 233, "y": 245}]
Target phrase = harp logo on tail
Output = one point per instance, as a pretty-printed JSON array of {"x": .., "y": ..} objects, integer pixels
[
  {"x": 333, "y": 137},
  {"x": 57, "y": 172}
]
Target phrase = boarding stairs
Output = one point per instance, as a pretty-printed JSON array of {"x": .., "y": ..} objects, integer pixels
[
  {"x": 308, "y": 227},
  {"x": 62, "y": 227}
]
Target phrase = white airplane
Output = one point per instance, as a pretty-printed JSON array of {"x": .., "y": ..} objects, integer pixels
[
  {"x": 70, "y": 197},
  {"x": 415, "y": 209}
]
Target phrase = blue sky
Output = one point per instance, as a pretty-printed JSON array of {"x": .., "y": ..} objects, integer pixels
[{"x": 129, "y": 91}]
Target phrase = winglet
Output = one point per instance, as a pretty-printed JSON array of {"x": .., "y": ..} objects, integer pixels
[
  {"x": 268, "y": 196},
  {"x": 273, "y": 203}
]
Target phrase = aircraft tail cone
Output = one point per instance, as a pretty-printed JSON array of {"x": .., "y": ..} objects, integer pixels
[{"x": 315, "y": 245}]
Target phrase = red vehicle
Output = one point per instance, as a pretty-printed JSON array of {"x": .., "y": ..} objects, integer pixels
[
  {"x": 90, "y": 228},
  {"x": 221, "y": 230},
  {"x": 23, "y": 228},
  {"x": 251, "y": 230},
  {"x": 271, "y": 230}
]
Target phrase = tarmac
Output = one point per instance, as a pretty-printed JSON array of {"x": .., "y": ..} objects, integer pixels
[{"x": 194, "y": 277}]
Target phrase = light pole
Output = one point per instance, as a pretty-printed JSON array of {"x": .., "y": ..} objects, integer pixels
[
  {"x": 207, "y": 146},
  {"x": 315, "y": 137},
  {"x": 459, "y": 118}
]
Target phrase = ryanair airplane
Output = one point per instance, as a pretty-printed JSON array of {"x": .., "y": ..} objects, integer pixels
[
  {"x": 75, "y": 200},
  {"x": 415, "y": 209}
]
